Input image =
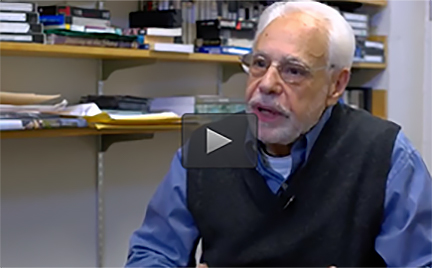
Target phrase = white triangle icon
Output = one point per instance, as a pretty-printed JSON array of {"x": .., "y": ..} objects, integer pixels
[{"x": 215, "y": 141}]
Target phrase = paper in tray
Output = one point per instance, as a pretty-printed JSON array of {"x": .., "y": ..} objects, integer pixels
[
  {"x": 142, "y": 127},
  {"x": 143, "y": 119}
]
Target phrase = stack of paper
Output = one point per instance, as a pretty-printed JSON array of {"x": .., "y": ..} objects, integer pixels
[
  {"x": 24, "y": 98},
  {"x": 104, "y": 120},
  {"x": 116, "y": 121},
  {"x": 23, "y": 111}
]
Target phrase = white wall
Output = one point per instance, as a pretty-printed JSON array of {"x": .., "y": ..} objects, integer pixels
[{"x": 406, "y": 66}]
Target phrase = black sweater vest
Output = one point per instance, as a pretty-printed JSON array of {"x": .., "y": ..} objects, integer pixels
[{"x": 334, "y": 218}]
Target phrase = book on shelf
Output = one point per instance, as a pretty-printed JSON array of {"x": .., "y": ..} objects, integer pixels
[
  {"x": 74, "y": 11},
  {"x": 197, "y": 104},
  {"x": 61, "y": 19},
  {"x": 166, "y": 47},
  {"x": 55, "y": 39}
]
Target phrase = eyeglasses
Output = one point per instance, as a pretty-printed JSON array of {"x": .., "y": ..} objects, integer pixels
[{"x": 290, "y": 69}]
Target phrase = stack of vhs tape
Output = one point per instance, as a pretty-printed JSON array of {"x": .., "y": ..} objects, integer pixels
[
  {"x": 78, "y": 26},
  {"x": 19, "y": 22},
  {"x": 224, "y": 36}
]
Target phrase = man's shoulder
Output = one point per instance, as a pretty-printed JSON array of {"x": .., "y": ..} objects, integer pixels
[
  {"x": 403, "y": 155},
  {"x": 365, "y": 123}
]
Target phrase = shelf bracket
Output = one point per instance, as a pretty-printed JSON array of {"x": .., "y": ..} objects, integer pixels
[
  {"x": 228, "y": 70},
  {"x": 109, "y": 139},
  {"x": 110, "y": 66}
]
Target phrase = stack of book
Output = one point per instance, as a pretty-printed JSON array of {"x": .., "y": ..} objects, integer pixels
[
  {"x": 160, "y": 30},
  {"x": 19, "y": 22},
  {"x": 370, "y": 51},
  {"x": 72, "y": 25}
]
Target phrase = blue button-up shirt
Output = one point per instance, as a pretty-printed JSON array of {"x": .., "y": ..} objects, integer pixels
[{"x": 168, "y": 233}]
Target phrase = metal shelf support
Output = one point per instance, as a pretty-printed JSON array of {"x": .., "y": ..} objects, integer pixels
[
  {"x": 110, "y": 66},
  {"x": 108, "y": 140}
]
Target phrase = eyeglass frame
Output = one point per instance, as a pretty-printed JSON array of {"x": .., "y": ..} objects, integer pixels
[{"x": 278, "y": 64}]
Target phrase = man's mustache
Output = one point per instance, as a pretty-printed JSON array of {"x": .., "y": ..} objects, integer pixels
[{"x": 260, "y": 100}]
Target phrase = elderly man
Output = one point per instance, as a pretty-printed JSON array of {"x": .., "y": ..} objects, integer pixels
[{"x": 333, "y": 185}]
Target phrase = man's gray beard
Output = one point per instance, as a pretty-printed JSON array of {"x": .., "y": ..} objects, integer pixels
[{"x": 284, "y": 133}]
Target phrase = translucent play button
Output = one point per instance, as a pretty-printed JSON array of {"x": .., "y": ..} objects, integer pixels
[
  {"x": 215, "y": 140},
  {"x": 219, "y": 140}
]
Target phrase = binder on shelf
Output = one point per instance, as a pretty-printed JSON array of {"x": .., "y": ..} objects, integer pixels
[
  {"x": 15, "y": 6},
  {"x": 20, "y": 27}
]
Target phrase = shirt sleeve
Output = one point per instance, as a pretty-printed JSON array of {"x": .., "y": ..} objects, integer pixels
[
  {"x": 168, "y": 234},
  {"x": 406, "y": 235}
]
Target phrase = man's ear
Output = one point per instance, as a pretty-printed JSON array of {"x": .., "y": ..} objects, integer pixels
[{"x": 339, "y": 82}]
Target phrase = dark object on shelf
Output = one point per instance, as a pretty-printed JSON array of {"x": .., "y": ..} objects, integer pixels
[
  {"x": 223, "y": 32},
  {"x": 360, "y": 97},
  {"x": 118, "y": 102},
  {"x": 171, "y": 18},
  {"x": 75, "y": 11},
  {"x": 343, "y": 6}
]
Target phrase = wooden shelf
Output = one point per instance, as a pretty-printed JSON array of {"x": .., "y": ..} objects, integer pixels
[
  {"x": 40, "y": 50},
  {"x": 73, "y": 132},
  {"x": 381, "y": 3},
  {"x": 369, "y": 65}
]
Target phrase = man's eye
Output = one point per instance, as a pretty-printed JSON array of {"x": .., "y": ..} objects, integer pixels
[
  {"x": 294, "y": 71},
  {"x": 260, "y": 63}
]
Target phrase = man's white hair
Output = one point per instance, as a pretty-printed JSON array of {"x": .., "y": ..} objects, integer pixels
[{"x": 341, "y": 40}]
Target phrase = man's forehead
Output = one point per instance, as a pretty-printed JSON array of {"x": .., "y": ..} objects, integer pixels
[{"x": 296, "y": 33}]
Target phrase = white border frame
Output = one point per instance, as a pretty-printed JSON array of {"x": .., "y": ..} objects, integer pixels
[{"x": 427, "y": 89}]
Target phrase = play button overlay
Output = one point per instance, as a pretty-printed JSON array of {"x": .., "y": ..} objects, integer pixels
[
  {"x": 215, "y": 141},
  {"x": 219, "y": 140}
]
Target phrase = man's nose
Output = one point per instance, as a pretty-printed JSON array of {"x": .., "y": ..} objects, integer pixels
[{"x": 271, "y": 83}]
